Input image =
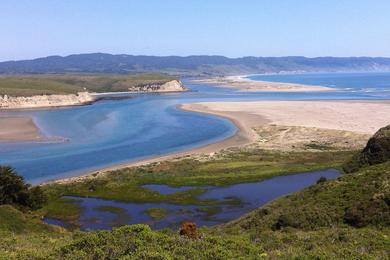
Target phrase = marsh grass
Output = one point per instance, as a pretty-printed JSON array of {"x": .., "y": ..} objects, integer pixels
[
  {"x": 126, "y": 185},
  {"x": 157, "y": 213}
]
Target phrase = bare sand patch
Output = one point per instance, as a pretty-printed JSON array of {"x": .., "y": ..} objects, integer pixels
[
  {"x": 303, "y": 125},
  {"x": 300, "y": 138},
  {"x": 357, "y": 116},
  {"x": 13, "y": 129}
]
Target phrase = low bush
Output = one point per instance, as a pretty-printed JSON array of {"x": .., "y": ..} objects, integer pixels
[{"x": 14, "y": 191}]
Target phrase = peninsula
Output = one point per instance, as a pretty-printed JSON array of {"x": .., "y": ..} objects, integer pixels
[{"x": 37, "y": 91}]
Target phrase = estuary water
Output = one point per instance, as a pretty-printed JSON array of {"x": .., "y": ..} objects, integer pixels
[
  {"x": 105, "y": 214},
  {"x": 110, "y": 132}
]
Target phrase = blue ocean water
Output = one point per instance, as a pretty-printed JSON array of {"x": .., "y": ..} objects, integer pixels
[
  {"x": 375, "y": 84},
  {"x": 117, "y": 131}
]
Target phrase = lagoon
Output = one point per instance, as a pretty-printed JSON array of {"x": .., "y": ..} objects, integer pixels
[
  {"x": 111, "y": 132},
  {"x": 105, "y": 214}
]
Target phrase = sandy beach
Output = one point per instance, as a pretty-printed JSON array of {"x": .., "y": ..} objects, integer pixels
[
  {"x": 244, "y": 84},
  {"x": 283, "y": 125},
  {"x": 356, "y": 116},
  {"x": 303, "y": 125},
  {"x": 13, "y": 129}
]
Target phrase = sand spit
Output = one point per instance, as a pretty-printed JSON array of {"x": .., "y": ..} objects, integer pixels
[
  {"x": 14, "y": 129},
  {"x": 244, "y": 84}
]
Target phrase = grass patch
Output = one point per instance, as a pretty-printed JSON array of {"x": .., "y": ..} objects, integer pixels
[
  {"x": 62, "y": 209},
  {"x": 157, "y": 213},
  {"x": 316, "y": 146},
  {"x": 110, "y": 209},
  {"x": 71, "y": 84},
  {"x": 209, "y": 210},
  {"x": 24, "y": 236}
]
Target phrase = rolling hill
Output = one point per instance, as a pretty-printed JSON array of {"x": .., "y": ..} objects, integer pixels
[{"x": 202, "y": 65}]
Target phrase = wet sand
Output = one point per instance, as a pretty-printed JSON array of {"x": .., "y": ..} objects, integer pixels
[{"x": 14, "y": 129}]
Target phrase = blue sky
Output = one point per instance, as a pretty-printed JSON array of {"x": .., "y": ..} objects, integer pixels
[{"x": 38, "y": 28}]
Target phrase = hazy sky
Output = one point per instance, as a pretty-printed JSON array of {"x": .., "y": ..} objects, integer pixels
[{"x": 232, "y": 28}]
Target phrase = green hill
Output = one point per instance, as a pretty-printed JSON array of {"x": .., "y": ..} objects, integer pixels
[
  {"x": 29, "y": 85},
  {"x": 195, "y": 65}
]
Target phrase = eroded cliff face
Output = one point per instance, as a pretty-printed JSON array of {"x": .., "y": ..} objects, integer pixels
[
  {"x": 80, "y": 98},
  {"x": 170, "y": 86}
]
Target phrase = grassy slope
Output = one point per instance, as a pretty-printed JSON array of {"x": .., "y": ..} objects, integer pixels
[
  {"x": 23, "y": 235},
  {"x": 68, "y": 84},
  {"x": 126, "y": 185},
  {"x": 317, "y": 220}
]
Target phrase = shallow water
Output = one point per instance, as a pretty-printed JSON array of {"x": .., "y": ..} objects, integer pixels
[
  {"x": 250, "y": 195},
  {"x": 118, "y": 131}
]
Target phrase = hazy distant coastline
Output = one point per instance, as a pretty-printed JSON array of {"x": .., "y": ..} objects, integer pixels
[{"x": 199, "y": 65}]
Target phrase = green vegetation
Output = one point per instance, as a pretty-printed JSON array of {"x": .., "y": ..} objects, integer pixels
[
  {"x": 376, "y": 151},
  {"x": 235, "y": 167},
  {"x": 14, "y": 191},
  {"x": 70, "y": 83},
  {"x": 157, "y": 213},
  {"x": 62, "y": 209},
  {"x": 111, "y": 209},
  {"x": 316, "y": 146},
  {"x": 24, "y": 236},
  {"x": 140, "y": 242},
  {"x": 346, "y": 218},
  {"x": 313, "y": 223},
  {"x": 209, "y": 210},
  {"x": 360, "y": 199}
]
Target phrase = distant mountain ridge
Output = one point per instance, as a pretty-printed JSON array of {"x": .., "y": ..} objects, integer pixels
[{"x": 201, "y": 65}]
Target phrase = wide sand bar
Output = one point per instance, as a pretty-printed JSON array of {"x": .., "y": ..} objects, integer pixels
[
  {"x": 356, "y": 116},
  {"x": 13, "y": 129}
]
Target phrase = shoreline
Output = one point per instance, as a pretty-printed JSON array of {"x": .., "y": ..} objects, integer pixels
[
  {"x": 243, "y": 136},
  {"x": 240, "y": 82},
  {"x": 20, "y": 129},
  {"x": 247, "y": 121}
]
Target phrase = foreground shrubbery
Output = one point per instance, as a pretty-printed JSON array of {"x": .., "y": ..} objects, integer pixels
[
  {"x": 347, "y": 218},
  {"x": 376, "y": 151},
  {"x": 359, "y": 199},
  {"x": 14, "y": 191},
  {"x": 140, "y": 242}
]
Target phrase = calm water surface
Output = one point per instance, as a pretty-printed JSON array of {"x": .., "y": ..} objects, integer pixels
[
  {"x": 250, "y": 196},
  {"x": 118, "y": 131}
]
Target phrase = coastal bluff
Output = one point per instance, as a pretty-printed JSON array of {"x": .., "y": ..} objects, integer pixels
[
  {"x": 170, "y": 86},
  {"x": 85, "y": 97},
  {"x": 8, "y": 102}
]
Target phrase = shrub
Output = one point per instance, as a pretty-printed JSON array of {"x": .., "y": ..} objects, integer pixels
[
  {"x": 14, "y": 191},
  {"x": 373, "y": 212},
  {"x": 322, "y": 179}
]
